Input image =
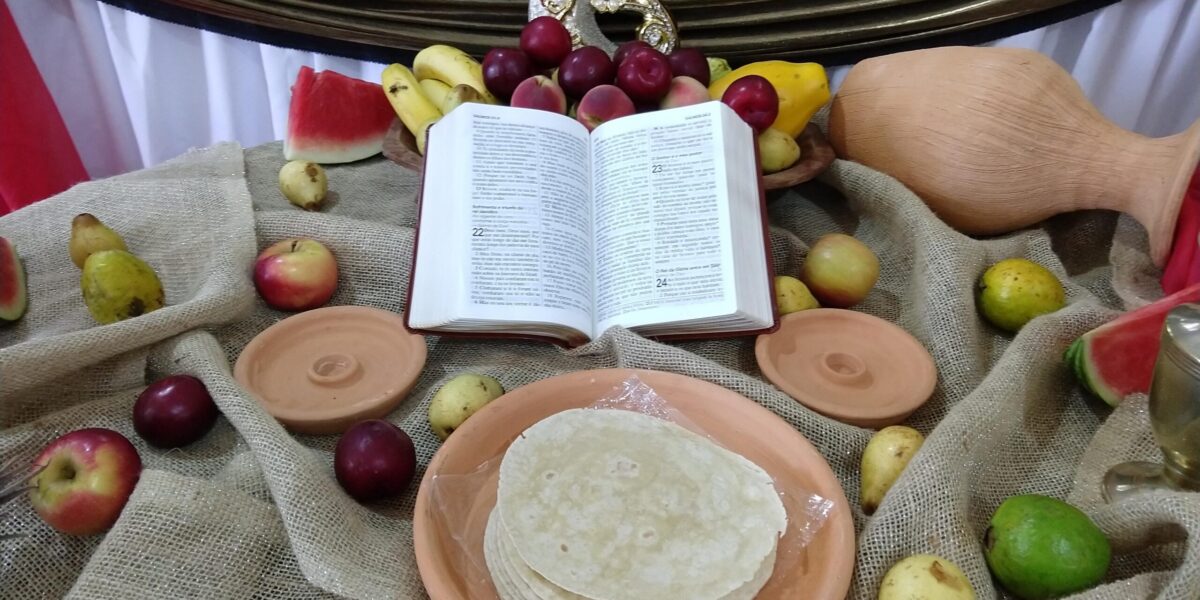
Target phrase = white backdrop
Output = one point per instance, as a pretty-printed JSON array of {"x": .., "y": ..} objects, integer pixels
[{"x": 135, "y": 91}]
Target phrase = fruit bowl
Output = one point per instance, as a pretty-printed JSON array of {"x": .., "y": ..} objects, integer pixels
[{"x": 815, "y": 155}]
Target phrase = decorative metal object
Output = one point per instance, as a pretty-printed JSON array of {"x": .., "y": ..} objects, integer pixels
[
  {"x": 1174, "y": 414},
  {"x": 579, "y": 16},
  {"x": 838, "y": 31}
]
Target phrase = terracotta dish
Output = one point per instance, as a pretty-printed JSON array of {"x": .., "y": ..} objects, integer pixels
[
  {"x": 848, "y": 366},
  {"x": 734, "y": 421},
  {"x": 815, "y": 155},
  {"x": 323, "y": 370}
]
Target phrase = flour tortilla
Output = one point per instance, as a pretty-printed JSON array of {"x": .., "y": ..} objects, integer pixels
[
  {"x": 503, "y": 579},
  {"x": 616, "y": 505},
  {"x": 514, "y": 580},
  {"x": 522, "y": 583}
]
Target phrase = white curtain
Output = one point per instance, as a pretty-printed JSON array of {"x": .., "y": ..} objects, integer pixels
[{"x": 135, "y": 91}]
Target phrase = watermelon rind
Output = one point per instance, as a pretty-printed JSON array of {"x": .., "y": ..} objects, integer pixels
[
  {"x": 1075, "y": 358},
  {"x": 1092, "y": 381},
  {"x": 1116, "y": 359}
]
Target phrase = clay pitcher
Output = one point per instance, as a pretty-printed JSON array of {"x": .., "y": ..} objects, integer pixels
[{"x": 996, "y": 139}]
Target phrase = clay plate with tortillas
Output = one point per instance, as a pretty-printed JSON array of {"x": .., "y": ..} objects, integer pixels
[{"x": 639, "y": 507}]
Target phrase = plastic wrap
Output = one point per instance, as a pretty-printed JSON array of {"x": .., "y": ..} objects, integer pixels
[{"x": 462, "y": 502}]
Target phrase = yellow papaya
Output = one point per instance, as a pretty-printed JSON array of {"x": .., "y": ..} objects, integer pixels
[{"x": 803, "y": 89}]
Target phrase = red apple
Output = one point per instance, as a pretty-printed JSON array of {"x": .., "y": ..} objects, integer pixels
[
  {"x": 583, "y": 69},
  {"x": 296, "y": 274},
  {"x": 174, "y": 411},
  {"x": 541, "y": 93},
  {"x": 645, "y": 75},
  {"x": 754, "y": 99},
  {"x": 690, "y": 62},
  {"x": 84, "y": 479},
  {"x": 504, "y": 69},
  {"x": 603, "y": 103},
  {"x": 546, "y": 41},
  {"x": 840, "y": 270},
  {"x": 374, "y": 460},
  {"x": 625, "y": 49}
]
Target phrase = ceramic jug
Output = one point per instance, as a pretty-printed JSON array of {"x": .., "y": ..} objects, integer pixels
[{"x": 995, "y": 139}]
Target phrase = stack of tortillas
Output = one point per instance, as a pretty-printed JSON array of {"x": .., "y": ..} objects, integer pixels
[{"x": 614, "y": 504}]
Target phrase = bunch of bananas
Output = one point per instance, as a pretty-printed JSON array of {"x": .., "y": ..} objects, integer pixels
[{"x": 442, "y": 77}]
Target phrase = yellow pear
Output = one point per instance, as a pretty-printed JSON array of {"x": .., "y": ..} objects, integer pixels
[
  {"x": 304, "y": 183},
  {"x": 777, "y": 150},
  {"x": 118, "y": 285},
  {"x": 791, "y": 295},
  {"x": 925, "y": 577},
  {"x": 458, "y": 399},
  {"x": 886, "y": 456},
  {"x": 89, "y": 235}
]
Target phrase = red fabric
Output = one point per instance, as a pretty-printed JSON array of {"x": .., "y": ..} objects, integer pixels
[
  {"x": 1183, "y": 265},
  {"x": 37, "y": 157}
]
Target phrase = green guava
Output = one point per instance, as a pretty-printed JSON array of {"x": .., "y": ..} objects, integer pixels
[
  {"x": 1014, "y": 291},
  {"x": 1039, "y": 548}
]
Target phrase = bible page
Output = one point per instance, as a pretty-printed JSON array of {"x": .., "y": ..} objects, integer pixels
[
  {"x": 527, "y": 226},
  {"x": 663, "y": 236},
  {"x": 504, "y": 239}
]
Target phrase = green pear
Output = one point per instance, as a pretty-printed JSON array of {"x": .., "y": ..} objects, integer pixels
[{"x": 118, "y": 285}]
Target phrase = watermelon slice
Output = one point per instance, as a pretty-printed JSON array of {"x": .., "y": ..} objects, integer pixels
[
  {"x": 335, "y": 119},
  {"x": 1117, "y": 359}
]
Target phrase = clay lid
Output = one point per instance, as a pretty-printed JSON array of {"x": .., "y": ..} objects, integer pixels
[
  {"x": 848, "y": 366},
  {"x": 323, "y": 370}
]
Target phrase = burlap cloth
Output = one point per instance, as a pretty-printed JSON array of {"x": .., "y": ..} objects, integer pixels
[{"x": 253, "y": 512}]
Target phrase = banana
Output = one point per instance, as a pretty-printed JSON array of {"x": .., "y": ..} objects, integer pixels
[
  {"x": 459, "y": 94},
  {"x": 451, "y": 66},
  {"x": 409, "y": 102},
  {"x": 435, "y": 90},
  {"x": 422, "y": 132}
]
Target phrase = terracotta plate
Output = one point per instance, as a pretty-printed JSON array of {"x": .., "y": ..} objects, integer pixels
[
  {"x": 847, "y": 365},
  {"x": 400, "y": 147},
  {"x": 738, "y": 423},
  {"x": 323, "y": 370}
]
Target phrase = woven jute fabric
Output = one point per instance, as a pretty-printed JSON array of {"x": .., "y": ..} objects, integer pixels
[{"x": 251, "y": 511}]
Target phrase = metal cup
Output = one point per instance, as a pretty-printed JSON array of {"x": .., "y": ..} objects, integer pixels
[
  {"x": 1174, "y": 413},
  {"x": 1175, "y": 397}
]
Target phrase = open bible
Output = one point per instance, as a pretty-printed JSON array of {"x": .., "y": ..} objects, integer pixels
[{"x": 530, "y": 226}]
